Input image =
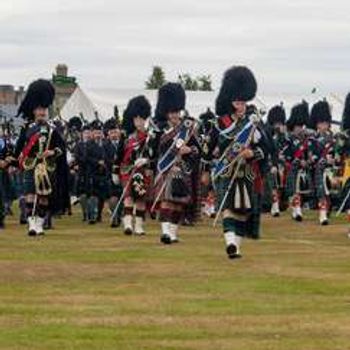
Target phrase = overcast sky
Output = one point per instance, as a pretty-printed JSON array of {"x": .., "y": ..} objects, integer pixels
[{"x": 292, "y": 46}]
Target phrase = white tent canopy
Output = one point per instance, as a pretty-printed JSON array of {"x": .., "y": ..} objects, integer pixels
[
  {"x": 78, "y": 104},
  {"x": 103, "y": 101},
  {"x": 198, "y": 102}
]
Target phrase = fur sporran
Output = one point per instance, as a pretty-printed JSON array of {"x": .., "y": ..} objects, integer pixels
[
  {"x": 138, "y": 187},
  {"x": 177, "y": 189}
]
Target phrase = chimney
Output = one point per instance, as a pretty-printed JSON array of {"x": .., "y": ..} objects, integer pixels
[{"x": 62, "y": 70}]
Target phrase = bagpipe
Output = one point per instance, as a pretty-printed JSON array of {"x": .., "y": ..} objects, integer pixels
[
  {"x": 223, "y": 166},
  {"x": 40, "y": 166},
  {"x": 231, "y": 157},
  {"x": 136, "y": 179},
  {"x": 171, "y": 157}
]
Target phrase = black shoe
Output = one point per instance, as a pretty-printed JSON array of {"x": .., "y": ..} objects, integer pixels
[
  {"x": 48, "y": 224},
  {"x": 325, "y": 223},
  {"x": 128, "y": 232},
  {"x": 2, "y": 225},
  {"x": 299, "y": 218},
  {"x": 92, "y": 222},
  {"x": 165, "y": 239},
  {"x": 115, "y": 223},
  {"x": 23, "y": 221},
  {"x": 231, "y": 251},
  {"x": 31, "y": 233}
]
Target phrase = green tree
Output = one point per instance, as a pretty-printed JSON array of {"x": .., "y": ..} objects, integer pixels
[
  {"x": 188, "y": 83},
  {"x": 201, "y": 83},
  {"x": 205, "y": 83},
  {"x": 157, "y": 79}
]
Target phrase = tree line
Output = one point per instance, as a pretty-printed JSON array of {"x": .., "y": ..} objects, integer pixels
[{"x": 158, "y": 79}]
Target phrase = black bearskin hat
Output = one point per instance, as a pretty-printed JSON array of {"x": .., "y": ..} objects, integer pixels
[
  {"x": 86, "y": 127},
  {"x": 299, "y": 115},
  {"x": 75, "y": 123},
  {"x": 346, "y": 114},
  {"x": 207, "y": 116},
  {"x": 40, "y": 93},
  {"x": 96, "y": 125},
  {"x": 171, "y": 98},
  {"x": 238, "y": 84},
  {"x": 320, "y": 112},
  {"x": 137, "y": 107},
  {"x": 277, "y": 114},
  {"x": 111, "y": 124}
]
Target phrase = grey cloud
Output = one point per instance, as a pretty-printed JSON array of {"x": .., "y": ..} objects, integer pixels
[{"x": 289, "y": 45}]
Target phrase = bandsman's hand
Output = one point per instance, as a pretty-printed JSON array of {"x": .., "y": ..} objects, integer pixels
[
  {"x": 330, "y": 160},
  {"x": 216, "y": 152},
  {"x": 185, "y": 150},
  {"x": 205, "y": 179},
  {"x": 140, "y": 162},
  {"x": 3, "y": 164},
  {"x": 247, "y": 154},
  {"x": 48, "y": 153},
  {"x": 274, "y": 170}
]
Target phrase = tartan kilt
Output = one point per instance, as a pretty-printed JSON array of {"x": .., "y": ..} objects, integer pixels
[
  {"x": 7, "y": 185},
  {"x": 170, "y": 184},
  {"x": 344, "y": 194},
  {"x": 126, "y": 184},
  {"x": 239, "y": 199},
  {"x": 294, "y": 179},
  {"x": 267, "y": 194},
  {"x": 29, "y": 182},
  {"x": 326, "y": 183},
  {"x": 320, "y": 183},
  {"x": 291, "y": 181},
  {"x": 253, "y": 213}
]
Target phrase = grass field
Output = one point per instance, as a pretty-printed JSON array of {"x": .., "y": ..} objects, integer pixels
[{"x": 84, "y": 287}]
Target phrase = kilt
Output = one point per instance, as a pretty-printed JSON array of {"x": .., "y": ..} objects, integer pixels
[
  {"x": 7, "y": 185},
  {"x": 177, "y": 188},
  {"x": 320, "y": 185},
  {"x": 239, "y": 198},
  {"x": 267, "y": 195},
  {"x": 252, "y": 212},
  {"x": 298, "y": 181},
  {"x": 126, "y": 184},
  {"x": 28, "y": 182}
]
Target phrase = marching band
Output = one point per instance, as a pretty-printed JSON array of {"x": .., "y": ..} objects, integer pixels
[{"x": 231, "y": 165}]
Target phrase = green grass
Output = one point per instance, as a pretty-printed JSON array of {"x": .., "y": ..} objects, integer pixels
[{"x": 84, "y": 287}]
